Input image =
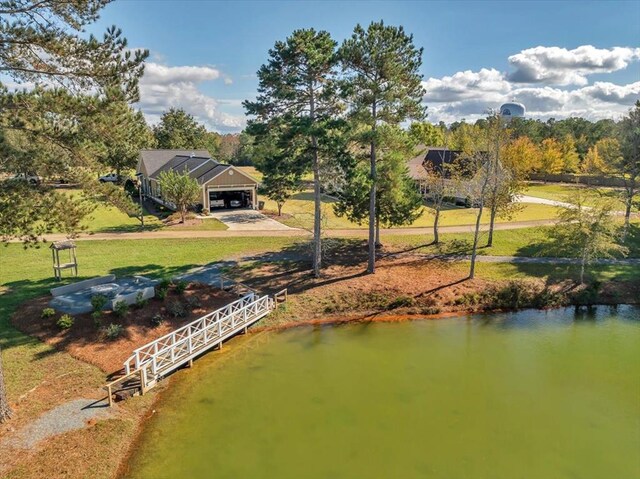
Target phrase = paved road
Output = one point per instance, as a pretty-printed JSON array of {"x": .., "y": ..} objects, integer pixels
[{"x": 292, "y": 232}]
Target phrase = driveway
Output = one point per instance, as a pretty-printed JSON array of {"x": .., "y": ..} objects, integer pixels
[
  {"x": 249, "y": 220},
  {"x": 542, "y": 201}
]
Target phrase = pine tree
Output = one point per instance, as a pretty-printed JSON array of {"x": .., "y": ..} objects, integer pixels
[
  {"x": 383, "y": 85},
  {"x": 297, "y": 96}
]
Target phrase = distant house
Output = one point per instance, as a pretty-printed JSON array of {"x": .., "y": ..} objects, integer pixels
[
  {"x": 432, "y": 160},
  {"x": 223, "y": 186}
]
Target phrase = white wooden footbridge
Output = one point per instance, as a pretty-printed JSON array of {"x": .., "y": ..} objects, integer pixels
[{"x": 154, "y": 360}]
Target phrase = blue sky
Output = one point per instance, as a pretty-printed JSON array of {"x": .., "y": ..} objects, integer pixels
[{"x": 467, "y": 48}]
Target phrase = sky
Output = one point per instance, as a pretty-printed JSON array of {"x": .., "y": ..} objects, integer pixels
[{"x": 559, "y": 59}]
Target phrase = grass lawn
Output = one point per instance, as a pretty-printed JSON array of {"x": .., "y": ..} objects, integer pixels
[
  {"x": 298, "y": 212},
  {"x": 563, "y": 192},
  {"x": 108, "y": 219}
]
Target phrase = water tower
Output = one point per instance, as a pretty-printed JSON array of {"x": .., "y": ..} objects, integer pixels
[{"x": 512, "y": 110}]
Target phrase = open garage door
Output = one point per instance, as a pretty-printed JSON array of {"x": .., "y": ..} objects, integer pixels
[{"x": 230, "y": 199}]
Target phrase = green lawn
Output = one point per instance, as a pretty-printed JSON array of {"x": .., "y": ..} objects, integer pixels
[
  {"x": 108, "y": 219},
  {"x": 298, "y": 212},
  {"x": 27, "y": 273},
  {"x": 564, "y": 191}
]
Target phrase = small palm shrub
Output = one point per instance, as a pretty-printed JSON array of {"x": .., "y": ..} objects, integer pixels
[
  {"x": 65, "y": 321},
  {"x": 161, "y": 293},
  {"x": 193, "y": 302},
  {"x": 47, "y": 313},
  {"x": 157, "y": 319},
  {"x": 177, "y": 309},
  {"x": 98, "y": 302},
  {"x": 140, "y": 301},
  {"x": 113, "y": 331},
  {"x": 181, "y": 286},
  {"x": 120, "y": 308}
]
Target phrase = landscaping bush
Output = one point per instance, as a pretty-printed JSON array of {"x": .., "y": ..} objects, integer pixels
[
  {"x": 430, "y": 310},
  {"x": 98, "y": 302},
  {"x": 194, "y": 302},
  {"x": 48, "y": 313},
  {"x": 177, "y": 309},
  {"x": 181, "y": 286},
  {"x": 513, "y": 295},
  {"x": 113, "y": 331},
  {"x": 161, "y": 293},
  {"x": 164, "y": 283},
  {"x": 120, "y": 308},
  {"x": 401, "y": 302},
  {"x": 157, "y": 319},
  {"x": 65, "y": 321},
  {"x": 140, "y": 301},
  {"x": 97, "y": 319}
]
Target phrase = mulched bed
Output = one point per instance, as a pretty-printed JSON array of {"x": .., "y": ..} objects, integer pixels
[{"x": 86, "y": 339}]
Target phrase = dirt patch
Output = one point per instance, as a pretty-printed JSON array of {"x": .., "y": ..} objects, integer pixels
[{"x": 87, "y": 340}]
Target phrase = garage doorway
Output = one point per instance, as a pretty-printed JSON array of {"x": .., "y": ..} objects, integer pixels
[{"x": 233, "y": 199}]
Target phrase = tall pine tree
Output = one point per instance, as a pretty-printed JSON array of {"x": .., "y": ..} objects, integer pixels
[{"x": 383, "y": 85}]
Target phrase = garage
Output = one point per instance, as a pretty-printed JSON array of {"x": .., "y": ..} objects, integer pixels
[
  {"x": 223, "y": 186},
  {"x": 230, "y": 189},
  {"x": 221, "y": 199}
]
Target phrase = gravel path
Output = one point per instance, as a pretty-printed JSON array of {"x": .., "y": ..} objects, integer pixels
[{"x": 64, "y": 418}]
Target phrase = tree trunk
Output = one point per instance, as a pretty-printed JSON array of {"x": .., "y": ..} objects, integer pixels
[
  {"x": 476, "y": 236},
  {"x": 492, "y": 221},
  {"x": 627, "y": 212},
  {"x": 436, "y": 220},
  {"x": 378, "y": 242},
  {"x": 317, "y": 199},
  {"x": 583, "y": 263},
  {"x": 183, "y": 213},
  {"x": 371, "y": 268},
  {"x": 279, "y": 209},
  {"x": 5, "y": 410}
]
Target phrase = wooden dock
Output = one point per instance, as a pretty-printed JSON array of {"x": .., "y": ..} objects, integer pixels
[{"x": 154, "y": 360}]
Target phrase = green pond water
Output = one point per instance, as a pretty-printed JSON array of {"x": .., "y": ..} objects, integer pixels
[{"x": 524, "y": 395}]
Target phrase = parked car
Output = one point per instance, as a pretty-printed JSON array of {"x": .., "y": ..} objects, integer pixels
[
  {"x": 111, "y": 178},
  {"x": 216, "y": 203},
  {"x": 31, "y": 178},
  {"x": 235, "y": 204}
]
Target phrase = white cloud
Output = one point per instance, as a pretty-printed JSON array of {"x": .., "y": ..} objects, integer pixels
[
  {"x": 470, "y": 94},
  {"x": 163, "y": 87},
  {"x": 559, "y": 66}
]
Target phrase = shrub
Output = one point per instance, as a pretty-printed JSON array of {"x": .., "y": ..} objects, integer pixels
[
  {"x": 430, "y": 310},
  {"x": 401, "y": 302},
  {"x": 164, "y": 283},
  {"x": 181, "y": 286},
  {"x": 161, "y": 293},
  {"x": 177, "y": 309},
  {"x": 113, "y": 331},
  {"x": 194, "y": 302},
  {"x": 98, "y": 302},
  {"x": 65, "y": 321},
  {"x": 120, "y": 308},
  {"x": 97, "y": 319},
  {"x": 157, "y": 319},
  {"x": 47, "y": 313},
  {"x": 140, "y": 301}
]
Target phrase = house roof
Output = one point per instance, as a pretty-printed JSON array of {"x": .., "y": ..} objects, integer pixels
[
  {"x": 153, "y": 160},
  {"x": 198, "y": 164},
  {"x": 436, "y": 159}
]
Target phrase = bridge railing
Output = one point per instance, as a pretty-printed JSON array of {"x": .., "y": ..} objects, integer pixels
[{"x": 206, "y": 323}]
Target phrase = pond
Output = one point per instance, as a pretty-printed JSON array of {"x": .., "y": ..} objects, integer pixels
[{"x": 521, "y": 395}]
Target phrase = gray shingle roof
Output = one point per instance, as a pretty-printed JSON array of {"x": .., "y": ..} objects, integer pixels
[{"x": 153, "y": 160}]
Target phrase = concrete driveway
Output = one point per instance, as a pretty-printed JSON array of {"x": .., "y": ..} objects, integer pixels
[
  {"x": 542, "y": 201},
  {"x": 248, "y": 220}
]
